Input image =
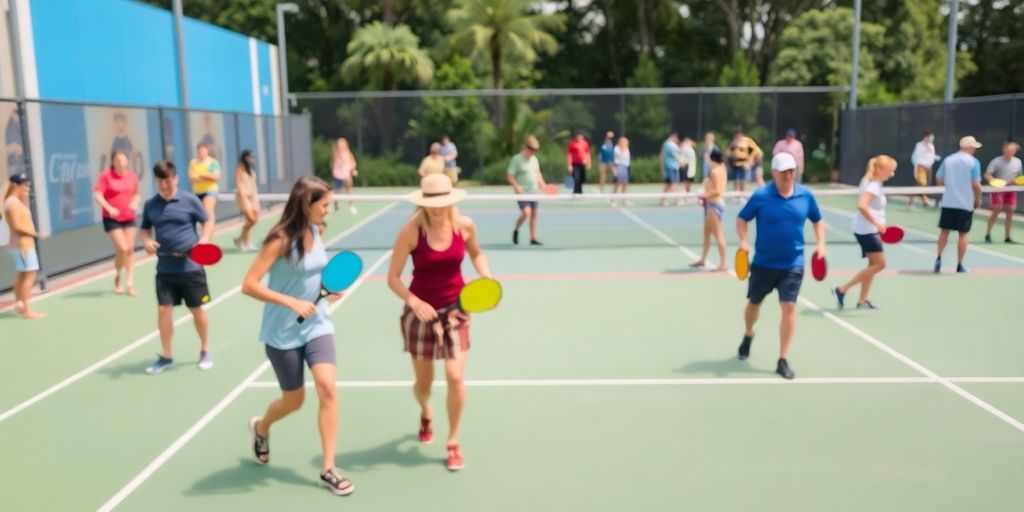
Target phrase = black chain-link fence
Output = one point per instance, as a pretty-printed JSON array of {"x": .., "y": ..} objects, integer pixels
[
  {"x": 895, "y": 130},
  {"x": 64, "y": 146},
  {"x": 391, "y": 132}
]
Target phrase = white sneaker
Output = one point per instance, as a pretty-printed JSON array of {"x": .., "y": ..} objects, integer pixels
[
  {"x": 238, "y": 242},
  {"x": 205, "y": 361},
  {"x": 352, "y": 210}
]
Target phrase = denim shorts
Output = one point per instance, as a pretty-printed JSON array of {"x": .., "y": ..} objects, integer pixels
[{"x": 25, "y": 261}]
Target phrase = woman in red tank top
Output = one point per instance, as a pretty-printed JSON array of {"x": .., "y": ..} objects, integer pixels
[{"x": 437, "y": 237}]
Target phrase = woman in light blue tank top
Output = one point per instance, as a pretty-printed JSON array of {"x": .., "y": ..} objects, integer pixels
[{"x": 292, "y": 258}]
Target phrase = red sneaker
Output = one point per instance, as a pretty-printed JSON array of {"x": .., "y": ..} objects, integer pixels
[
  {"x": 426, "y": 433},
  {"x": 455, "y": 459}
]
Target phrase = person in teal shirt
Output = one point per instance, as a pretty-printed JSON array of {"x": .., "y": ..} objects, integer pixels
[
  {"x": 606, "y": 158},
  {"x": 525, "y": 177},
  {"x": 292, "y": 258}
]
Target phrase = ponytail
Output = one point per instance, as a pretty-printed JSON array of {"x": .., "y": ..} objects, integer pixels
[{"x": 875, "y": 166}]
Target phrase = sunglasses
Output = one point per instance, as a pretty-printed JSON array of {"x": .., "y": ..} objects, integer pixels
[{"x": 531, "y": 148}]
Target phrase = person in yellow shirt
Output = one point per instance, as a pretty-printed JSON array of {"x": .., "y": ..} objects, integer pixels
[
  {"x": 743, "y": 153},
  {"x": 204, "y": 174},
  {"x": 433, "y": 163}
]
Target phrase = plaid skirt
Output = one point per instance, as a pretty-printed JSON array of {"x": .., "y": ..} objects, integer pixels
[{"x": 444, "y": 338}]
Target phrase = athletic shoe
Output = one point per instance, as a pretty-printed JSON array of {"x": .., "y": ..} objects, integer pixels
[
  {"x": 535, "y": 242},
  {"x": 960, "y": 269},
  {"x": 867, "y": 305},
  {"x": 426, "y": 433},
  {"x": 205, "y": 360},
  {"x": 745, "y": 347},
  {"x": 784, "y": 369},
  {"x": 336, "y": 482},
  {"x": 238, "y": 243},
  {"x": 839, "y": 296},
  {"x": 455, "y": 459},
  {"x": 938, "y": 265},
  {"x": 515, "y": 237},
  {"x": 988, "y": 238},
  {"x": 159, "y": 366},
  {"x": 352, "y": 209},
  {"x": 1009, "y": 241}
]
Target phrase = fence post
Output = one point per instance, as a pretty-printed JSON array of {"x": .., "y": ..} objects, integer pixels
[
  {"x": 622, "y": 114},
  {"x": 700, "y": 113},
  {"x": 26, "y": 159},
  {"x": 775, "y": 117}
]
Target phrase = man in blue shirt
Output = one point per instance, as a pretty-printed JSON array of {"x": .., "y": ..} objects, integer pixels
[
  {"x": 780, "y": 208},
  {"x": 173, "y": 216},
  {"x": 607, "y": 158},
  {"x": 669, "y": 160},
  {"x": 961, "y": 175}
]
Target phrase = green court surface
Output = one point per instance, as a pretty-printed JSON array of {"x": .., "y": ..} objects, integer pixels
[{"x": 606, "y": 381}]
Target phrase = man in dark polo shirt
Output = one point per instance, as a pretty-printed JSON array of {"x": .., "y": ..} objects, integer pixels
[
  {"x": 173, "y": 217},
  {"x": 781, "y": 208}
]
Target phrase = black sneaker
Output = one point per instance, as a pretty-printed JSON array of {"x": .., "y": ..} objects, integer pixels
[
  {"x": 1009, "y": 241},
  {"x": 960, "y": 269},
  {"x": 515, "y": 237},
  {"x": 535, "y": 242},
  {"x": 938, "y": 265},
  {"x": 744, "y": 351},
  {"x": 784, "y": 369},
  {"x": 988, "y": 238}
]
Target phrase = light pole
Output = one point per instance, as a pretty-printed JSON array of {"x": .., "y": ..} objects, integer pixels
[
  {"x": 282, "y": 51},
  {"x": 856, "y": 55},
  {"x": 954, "y": 11}
]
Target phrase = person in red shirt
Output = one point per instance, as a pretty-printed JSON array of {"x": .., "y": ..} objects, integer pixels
[
  {"x": 577, "y": 161},
  {"x": 437, "y": 237},
  {"x": 117, "y": 194}
]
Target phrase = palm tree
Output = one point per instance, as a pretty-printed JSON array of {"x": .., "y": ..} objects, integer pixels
[
  {"x": 384, "y": 57},
  {"x": 500, "y": 29}
]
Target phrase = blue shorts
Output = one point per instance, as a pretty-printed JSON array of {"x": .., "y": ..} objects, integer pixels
[
  {"x": 764, "y": 280},
  {"x": 339, "y": 183},
  {"x": 621, "y": 174},
  {"x": 25, "y": 261},
  {"x": 737, "y": 173},
  {"x": 671, "y": 175},
  {"x": 869, "y": 243},
  {"x": 716, "y": 208}
]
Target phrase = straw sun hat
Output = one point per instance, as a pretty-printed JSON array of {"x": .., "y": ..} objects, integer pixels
[{"x": 436, "y": 191}]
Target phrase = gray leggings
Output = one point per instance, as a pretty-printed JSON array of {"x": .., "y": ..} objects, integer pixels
[{"x": 288, "y": 363}]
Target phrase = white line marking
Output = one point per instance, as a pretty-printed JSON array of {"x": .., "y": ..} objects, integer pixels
[
  {"x": 712, "y": 381},
  {"x": 194, "y": 430},
  {"x": 156, "y": 332},
  {"x": 880, "y": 345},
  {"x": 179, "y": 443}
]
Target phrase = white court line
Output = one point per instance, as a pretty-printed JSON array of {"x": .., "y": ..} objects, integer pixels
[
  {"x": 712, "y": 381},
  {"x": 907, "y": 246},
  {"x": 934, "y": 237},
  {"x": 156, "y": 332},
  {"x": 117, "y": 498},
  {"x": 180, "y": 443},
  {"x": 881, "y": 346},
  {"x": 144, "y": 259}
]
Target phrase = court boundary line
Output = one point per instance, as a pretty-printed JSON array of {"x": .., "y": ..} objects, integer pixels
[
  {"x": 223, "y": 404},
  {"x": 693, "y": 381},
  {"x": 156, "y": 332},
  {"x": 998, "y": 413}
]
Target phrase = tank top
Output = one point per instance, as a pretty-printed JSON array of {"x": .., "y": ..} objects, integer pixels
[
  {"x": 437, "y": 275},
  {"x": 299, "y": 279},
  {"x": 342, "y": 166},
  {"x": 247, "y": 185}
]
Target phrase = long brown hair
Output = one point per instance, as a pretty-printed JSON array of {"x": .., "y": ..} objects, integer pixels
[{"x": 295, "y": 220}]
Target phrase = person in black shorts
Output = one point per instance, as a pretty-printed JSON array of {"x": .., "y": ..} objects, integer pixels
[{"x": 173, "y": 216}]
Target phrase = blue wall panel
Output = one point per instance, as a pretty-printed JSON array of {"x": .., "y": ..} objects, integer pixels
[
  {"x": 266, "y": 85},
  {"x": 219, "y": 77}
]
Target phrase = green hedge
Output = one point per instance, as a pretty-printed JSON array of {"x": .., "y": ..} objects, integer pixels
[{"x": 386, "y": 171}]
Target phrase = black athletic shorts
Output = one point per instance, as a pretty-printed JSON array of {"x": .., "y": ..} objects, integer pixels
[{"x": 190, "y": 287}]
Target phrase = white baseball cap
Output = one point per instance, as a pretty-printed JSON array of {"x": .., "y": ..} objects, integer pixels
[
  {"x": 783, "y": 162},
  {"x": 969, "y": 142}
]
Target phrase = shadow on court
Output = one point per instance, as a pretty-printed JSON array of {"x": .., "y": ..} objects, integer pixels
[
  {"x": 723, "y": 367},
  {"x": 404, "y": 451},
  {"x": 246, "y": 477}
]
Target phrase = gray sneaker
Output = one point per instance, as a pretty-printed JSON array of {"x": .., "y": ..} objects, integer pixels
[
  {"x": 205, "y": 360},
  {"x": 159, "y": 366}
]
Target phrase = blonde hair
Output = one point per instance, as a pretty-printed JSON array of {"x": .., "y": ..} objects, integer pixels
[
  {"x": 876, "y": 164},
  {"x": 623, "y": 142},
  {"x": 423, "y": 220}
]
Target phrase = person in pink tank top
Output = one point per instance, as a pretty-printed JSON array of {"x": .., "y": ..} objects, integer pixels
[{"x": 438, "y": 238}]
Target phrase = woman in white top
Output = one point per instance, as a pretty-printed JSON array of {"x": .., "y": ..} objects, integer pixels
[
  {"x": 621, "y": 162},
  {"x": 923, "y": 158},
  {"x": 868, "y": 225}
]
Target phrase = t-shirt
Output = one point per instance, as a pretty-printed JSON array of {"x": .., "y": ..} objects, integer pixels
[
  {"x": 607, "y": 152},
  {"x": 690, "y": 156},
  {"x": 299, "y": 279},
  {"x": 211, "y": 166},
  {"x": 780, "y": 225},
  {"x": 958, "y": 172},
  {"x": 1004, "y": 169},
  {"x": 525, "y": 171},
  {"x": 449, "y": 149},
  {"x": 670, "y": 153},
  {"x": 861, "y": 226},
  {"x": 119, "y": 192},
  {"x": 741, "y": 149},
  {"x": 432, "y": 165},
  {"x": 174, "y": 222},
  {"x": 578, "y": 151},
  {"x": 622, "y": 157}
]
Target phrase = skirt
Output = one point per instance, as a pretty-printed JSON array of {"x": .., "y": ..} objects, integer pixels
[{"x": 443, "y": 338}]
